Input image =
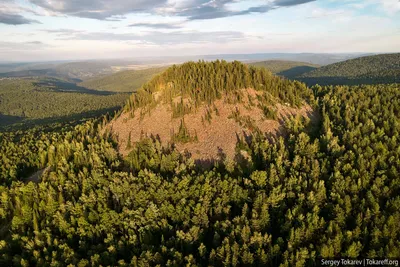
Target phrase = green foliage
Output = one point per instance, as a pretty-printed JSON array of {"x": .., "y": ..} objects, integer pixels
[
  {"x": 129, "y": 145},
  {"x": 235, "y": 115},
  {"x": 204, "y": 82},
  {"x": 364, "y": 70},
  {"x": 32, "y": 100},
  {"x": 183, "y": 135},
  {"x": 284, "y": 201},
  {"x": 124, "y": 81},
  {"x": 150, "y": 154},
  {"x": 246, "y": 122},
  {"x": 270, "y": 113},
  {"x": 180, "y": 109}
]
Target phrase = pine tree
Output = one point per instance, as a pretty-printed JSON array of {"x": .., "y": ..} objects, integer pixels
[{"x": 129, "y": 142}]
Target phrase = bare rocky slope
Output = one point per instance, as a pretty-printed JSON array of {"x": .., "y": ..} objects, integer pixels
[{"x": 176, "y": 110}]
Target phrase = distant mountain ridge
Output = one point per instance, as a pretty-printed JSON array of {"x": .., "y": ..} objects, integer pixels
[
  {"x": 312, "y": 58},
  {"x": 100, "y": 66},
  {"x": 105, "y": 75}
]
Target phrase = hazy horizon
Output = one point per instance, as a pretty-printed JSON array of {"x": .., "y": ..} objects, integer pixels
[{"x": 167, "y": 59}]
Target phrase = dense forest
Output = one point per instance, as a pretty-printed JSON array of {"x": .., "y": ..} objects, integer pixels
[
  {"x": 331, "y": 190},
  {"x": 378, "y": 69},
  {"x": 40, "y": 100},
  {"x": 208, "y": 81}
]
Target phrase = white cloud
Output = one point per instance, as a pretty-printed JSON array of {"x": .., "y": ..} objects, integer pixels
[
  {"x": 391, "y": 6},
  {"x": 10, "y": 13},
  {"x": 153, "y": 37},
  {"x": 21, "y": 46}
]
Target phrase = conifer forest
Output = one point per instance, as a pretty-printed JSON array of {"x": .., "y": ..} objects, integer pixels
[{"x": 325, "y": 187}]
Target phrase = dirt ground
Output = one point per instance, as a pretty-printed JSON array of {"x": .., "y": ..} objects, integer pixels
[{"x": 219, "y": 137}]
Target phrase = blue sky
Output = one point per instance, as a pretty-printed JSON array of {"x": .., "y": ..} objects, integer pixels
[{"x": 34, "y": 30}]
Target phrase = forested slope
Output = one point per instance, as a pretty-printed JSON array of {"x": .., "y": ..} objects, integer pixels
[
  {"x": 31, "y": 101},
  {"x": 124, "y": 81},
  {"x": 285, "y": 68},
  {"x": 332, "y": 192},
  {"x": 207, "y": 81},
  {"x": 364, "y": 70}
]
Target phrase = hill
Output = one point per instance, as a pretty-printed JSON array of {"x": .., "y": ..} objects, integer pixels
[
  {"x": 27, "y": 73},
  {"x": 83, "y": 70},
  {"x": 288, "y": 69},
  {"x": 32, "y": 101},
  {"x": 205, "y": 108},
  {"x": 364, "y": 70},
  {"x": 124, "y": 81},
  {"x": 72, "y": 71}
]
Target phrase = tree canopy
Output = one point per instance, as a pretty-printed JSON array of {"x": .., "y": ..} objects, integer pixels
[
  {"x": 327, "y": 191},
  {"x": 378, "y": 69},
  {"x": 207, "y": 81}
]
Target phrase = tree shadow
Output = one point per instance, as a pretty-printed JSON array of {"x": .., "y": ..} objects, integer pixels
[
  {"x": 211, "y": 163},
  {"x": 296, "y": 71},
  {"x": 9, "y": 119},
  {"x": 221, "y": 155},
  {"x": 19, "y": 123}
]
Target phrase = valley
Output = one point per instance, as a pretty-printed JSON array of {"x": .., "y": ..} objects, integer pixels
[{"x": 32, "y": 101}]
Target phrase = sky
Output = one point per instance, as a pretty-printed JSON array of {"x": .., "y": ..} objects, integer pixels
[{"x": 43, "y": 30}]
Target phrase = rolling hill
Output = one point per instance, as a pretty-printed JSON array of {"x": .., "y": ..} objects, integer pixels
[
  {"x": 205, "y": 108},
  {"x": 83, "y": 70},
  {"x": 35, "y": 101},
  {"x": 124, "y": 81},
  {"x": 72, "y": 71},
  {"x": 364, "y": 70},
  {"x": 288, "y": 69}
]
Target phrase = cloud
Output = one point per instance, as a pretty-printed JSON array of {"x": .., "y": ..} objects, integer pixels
[
  {"x": 10, "y": 14},
  {"x": 156, "y": 25},
  {"x": 62, "y": 31},
  {"x": 35, "y": 43},
  {"x": 21, "y": 46},
  {"x": 98, "y": 9},
  {"x": 325, "y": 13},
  {"x": 391, "y": 6},
  {"x": 283, "y": 3},
  {"x": 15, "y": 19},
  {"x": 205, "y": 9},
  {"x": 190, "y": 9},
  {"x": 156, "y": 37}
]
